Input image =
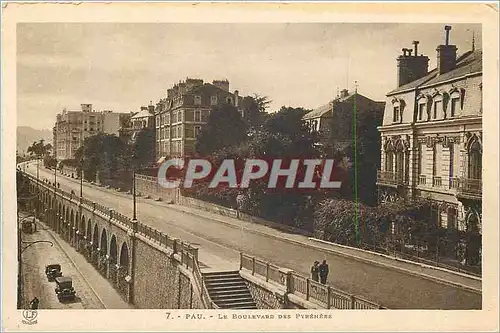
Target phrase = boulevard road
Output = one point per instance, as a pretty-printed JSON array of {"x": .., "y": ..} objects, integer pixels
[{"x": 220, "y": 245}]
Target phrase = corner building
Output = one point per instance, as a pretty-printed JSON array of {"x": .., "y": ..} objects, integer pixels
[{"x": 432, "y": 139}]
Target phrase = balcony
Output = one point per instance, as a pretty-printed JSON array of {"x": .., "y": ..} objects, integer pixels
[
  {"x": 454, "y": 183},
  {"x": 390, "y": 178},
  {"x": 470, "y": 188},
  {"x": 422, "y": 180},
  {"x": 437, "y": 181}
]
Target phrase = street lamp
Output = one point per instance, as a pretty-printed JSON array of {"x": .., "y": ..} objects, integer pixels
[{"x": 134, "y": 195}]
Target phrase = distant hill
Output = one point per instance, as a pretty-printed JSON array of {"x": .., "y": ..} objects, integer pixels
[{"x": 27, "y": 135}]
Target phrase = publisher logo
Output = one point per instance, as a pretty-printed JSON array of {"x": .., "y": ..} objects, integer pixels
[{"x": 29, "y": 317}]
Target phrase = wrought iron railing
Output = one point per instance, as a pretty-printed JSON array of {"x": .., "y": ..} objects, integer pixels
[
  {"x": 472, "y": 187},
  {"x": 299, "y": 285},
  {"x": 389, "y": 177}
]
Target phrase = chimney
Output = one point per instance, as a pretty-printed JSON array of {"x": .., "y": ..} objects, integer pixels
[
  {"x": 411, "y": 66},
  {"x": 170, "y": 93},
  {"x": 236, "y": 98},
  {"x": 446, "y": 54},
  {"x": 344, "y": 93},
  {"x": 222, "y": 84}
]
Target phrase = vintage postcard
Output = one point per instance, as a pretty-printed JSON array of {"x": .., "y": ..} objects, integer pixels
[{"x": 250, "y": 166}]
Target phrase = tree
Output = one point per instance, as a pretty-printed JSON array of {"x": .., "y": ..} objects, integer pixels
[
  {"x": 225, "y": 128},
  {"x": 102, "y": 154},
  {"x": 39, "y": 149},
  {"x": 255, "y": 110},
  {"x": 143, "y": 148}
]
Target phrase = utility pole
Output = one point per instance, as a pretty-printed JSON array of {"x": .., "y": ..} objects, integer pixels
[{"x": 134, "y": 195}]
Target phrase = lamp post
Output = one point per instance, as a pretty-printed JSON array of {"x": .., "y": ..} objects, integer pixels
[
  {"x": 134, "y": 195},
  {"x": 81, "y": 179}
]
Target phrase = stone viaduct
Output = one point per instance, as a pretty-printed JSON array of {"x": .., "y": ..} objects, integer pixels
[{"x": 152, "y": 270}]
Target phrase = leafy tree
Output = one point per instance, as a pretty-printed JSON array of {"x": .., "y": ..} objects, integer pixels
[
  {"x": 102, "y": 154},
  {"x": 225, "y": 128},
  {"x": 143, "y": 148},
  {"x": 255, "y": 110},
  {"x": 39, "y": 149}
]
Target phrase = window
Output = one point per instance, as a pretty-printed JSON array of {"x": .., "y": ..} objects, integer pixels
[
  {"x": 167, "y": 133},
  {"x": 475, "y": 161},
  {"x": 420, "y": 158},
  {"x": 179, "y": 116},
  {"x": 197, "y": 100},
  {"x": 213, "y": 100},
  {"x": 188, "y": 131},
  {"x": 197, "y": 115},
  {"x": 389, "y": 161},
  {"x": 395, "y": 116},
  {"x": 452, "y": 157},
  {"x": 452, "y": 218},
  {"x": 421, "y": 111},
  {"x": 437, "y": 109},
  {"x": 454, "y": 107},
  {"x": 229, "y": 100},
  {"x": 434, "y": 164},
  {"x": 197, "y": 131}
]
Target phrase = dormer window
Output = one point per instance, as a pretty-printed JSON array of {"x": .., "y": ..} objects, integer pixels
[
  {"x": 213, "y": 100},
  {"x": 395, "y": 114},
  {"x": 436, "y": 111},
  {"x": 397, "y": 110},
  {"x": 197, "y": 100}
]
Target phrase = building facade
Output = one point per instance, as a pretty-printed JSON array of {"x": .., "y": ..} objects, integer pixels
[
  {"x": 181, "y": 115},
  {"x": 432, "y": 138},
  {"x": 72, "y": 127},
  {"x": 341, "y": 109}
]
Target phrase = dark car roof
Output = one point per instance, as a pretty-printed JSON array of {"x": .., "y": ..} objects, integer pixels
[
  {"x": 54, "y": 265},
  {"x": 63, "y": 279}
]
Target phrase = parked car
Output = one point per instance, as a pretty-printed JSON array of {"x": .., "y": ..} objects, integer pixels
[
  {"x": 64, "y": 289},
  {"x": 53, "y": 271}
]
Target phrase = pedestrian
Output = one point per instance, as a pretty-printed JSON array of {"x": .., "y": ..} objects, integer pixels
[
  {"x": 323, "y": 272},
  {"x": 315, "y": 271},
  {"x": 34, "y": 304}
]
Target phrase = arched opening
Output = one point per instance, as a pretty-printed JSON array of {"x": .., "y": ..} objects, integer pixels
[
  {"x": 113, "y": 260},
  {"x": 103, "y": 260},
  {"x": 473, "y": 250},
  {"x": 475, "y": 165},
  {"x": 123, "y": 270},
  {"x": 399, "y": 166}
]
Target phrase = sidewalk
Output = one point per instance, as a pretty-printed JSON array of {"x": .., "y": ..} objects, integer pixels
[
  {"x": 425, "y": 271},
  {"x": 92, "y": 290}
]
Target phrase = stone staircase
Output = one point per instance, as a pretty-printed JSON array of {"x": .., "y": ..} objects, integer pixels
[{"x": 228, "y": 290}]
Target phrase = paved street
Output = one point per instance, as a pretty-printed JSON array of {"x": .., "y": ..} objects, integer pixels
[
  {"x": 220, "y": 244},
  {"x": 92, "y": 290}
]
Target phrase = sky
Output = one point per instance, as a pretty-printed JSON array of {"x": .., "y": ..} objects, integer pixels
[{"x": 120, "y": 66}]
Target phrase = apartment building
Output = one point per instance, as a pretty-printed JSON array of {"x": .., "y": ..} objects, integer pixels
[
  {"x": 181, "y": 115},
  {"x": 72, "y": 127}
]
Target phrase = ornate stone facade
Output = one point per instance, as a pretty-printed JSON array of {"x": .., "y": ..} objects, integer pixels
[{"x": 432, "y": 142}]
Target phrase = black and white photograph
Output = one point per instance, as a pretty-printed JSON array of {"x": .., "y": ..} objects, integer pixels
[{"x": 275, "y": 172}]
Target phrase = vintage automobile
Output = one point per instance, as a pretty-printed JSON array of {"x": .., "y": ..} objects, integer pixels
[
  {"x": 52, "y": 271},
  {"x": 64, "y": 289}
]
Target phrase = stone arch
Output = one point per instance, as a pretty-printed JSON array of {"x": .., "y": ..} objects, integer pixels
[
  {"x": 103, "y": 245},
  {"x": 113, "y": 250},
  {"x": 474, "y": 158},
  {"x": 71, "y": 229},
  {"x": 89, "y": 230},
  {"x": 95, "y": 237},
  {"x": 124, "y": 257}
]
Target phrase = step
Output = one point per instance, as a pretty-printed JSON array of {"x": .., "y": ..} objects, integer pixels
[
  {"x": 233, "y": 298},
  {"x": 225, "y": 284},
  {"x": 243, "y": 307},
  {"x": 218, "y": 279},
  {"x": 229, "y": 292},
  {"x": 235, "y": 303},
  {"x": 221, "y": 273}
]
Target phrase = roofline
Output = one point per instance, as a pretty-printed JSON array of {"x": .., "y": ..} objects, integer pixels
[{"x": 435, "y": 84}]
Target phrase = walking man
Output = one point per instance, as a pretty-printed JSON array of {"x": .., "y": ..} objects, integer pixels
[
  {"x": 315, "y": 271},
  {"x": 323, "y": 272},
  {"x": 34, "y": 303}
]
